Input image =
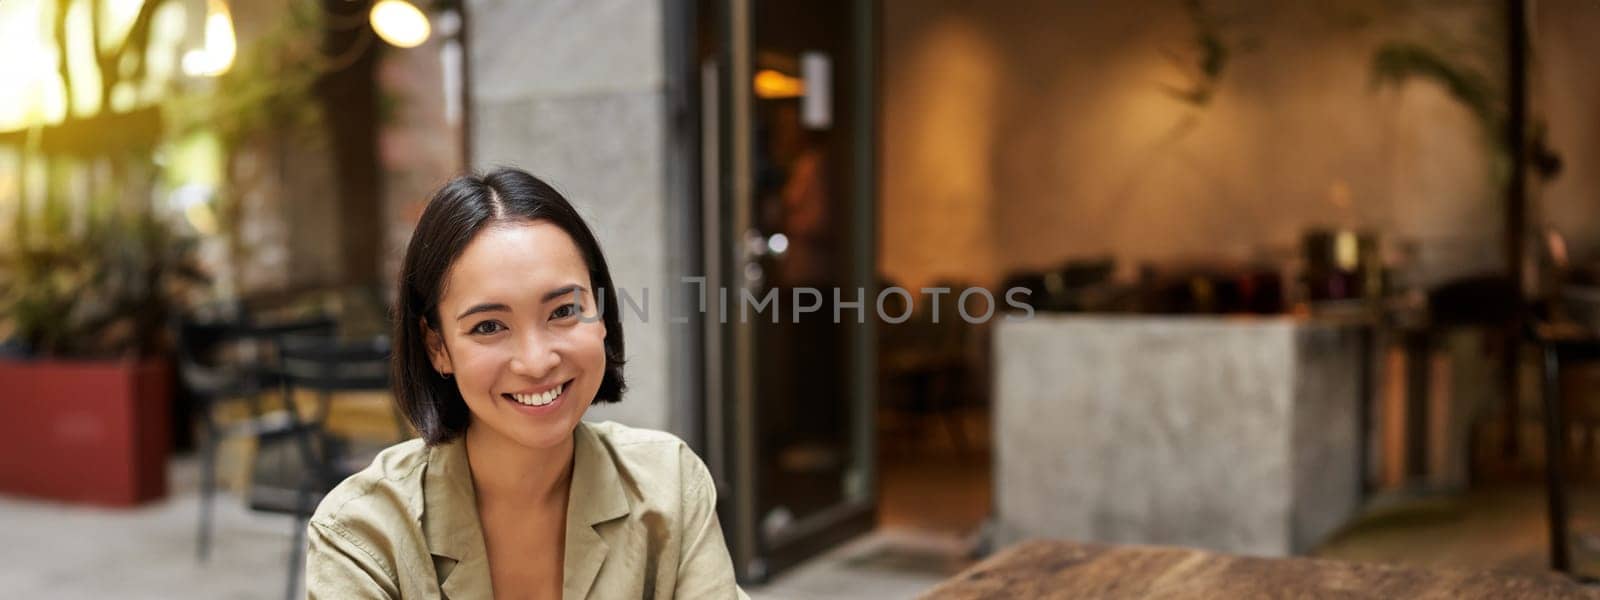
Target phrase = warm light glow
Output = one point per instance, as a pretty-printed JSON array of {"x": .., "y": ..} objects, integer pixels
[
  {"x": 220, "y": 46},
  {"x": 220, "y": 43},
  {"x": 1339, "y": 194},
  {"x": 164, "y": 55},
  {"x": 32, "y": 90},
  {"x": 118, "y": 17},
  {"x": 202, "y": 218},
  {"x": 1346, "y": 251},
  {"x": 773, "y": 84},
  {"x": 82, "y": 72},
  {"x": 196, "y": 63},
  {"x": 400, "y": 23}
]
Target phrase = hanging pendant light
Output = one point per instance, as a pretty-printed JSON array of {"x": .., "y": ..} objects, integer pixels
[{"x": 399, "y": 23}]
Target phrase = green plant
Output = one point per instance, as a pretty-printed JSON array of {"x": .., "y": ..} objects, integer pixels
[
  {"x": 270, "y": 86},
  {"x": 107, "y": 292},
  {"x": 92, "y": 270},
  {"x": 1396, "y": 62},
  {"x": 1452, "y": 67},
  {"x": 267, "y": 100},
  {"x": 1205, "y": 71}
]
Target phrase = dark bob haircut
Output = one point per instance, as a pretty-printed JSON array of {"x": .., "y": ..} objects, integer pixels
[{"x": 458, "y": 211}]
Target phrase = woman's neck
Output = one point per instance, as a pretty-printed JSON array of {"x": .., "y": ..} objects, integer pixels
[{"x": 505, "y": 471}]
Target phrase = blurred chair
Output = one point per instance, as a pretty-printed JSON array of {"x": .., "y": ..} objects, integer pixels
[
  {"x": 328, "y": 367},
  {"x": 221, "y": 364},
  {"x": 927, "y": 367},
  {"x": 1486, "y": 305},
  {"x": 1562, "y": 345}
]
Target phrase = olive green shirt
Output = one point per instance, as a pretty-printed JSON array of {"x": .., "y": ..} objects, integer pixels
[{"x": 641, "y": 523}]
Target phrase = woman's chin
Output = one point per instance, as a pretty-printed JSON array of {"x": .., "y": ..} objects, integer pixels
[
  {"x": 540, "y": 436},
  {"x": 544, "y": 440}
]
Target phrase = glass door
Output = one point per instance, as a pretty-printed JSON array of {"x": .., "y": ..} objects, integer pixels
[{"x": 788, "y": 192}]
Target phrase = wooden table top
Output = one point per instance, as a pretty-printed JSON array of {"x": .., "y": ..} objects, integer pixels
[{"x": 1057, "y": 569}]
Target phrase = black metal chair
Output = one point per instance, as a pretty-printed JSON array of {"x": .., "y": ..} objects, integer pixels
[
  {"x": 326, "y": 366},
  {"x": 222, "y": 363},
  {"x": 1561, "y": 344}
]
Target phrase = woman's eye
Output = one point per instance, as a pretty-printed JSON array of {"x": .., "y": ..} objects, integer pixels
[
  {"x": 487, "y": 328},
  {"x": 565, "y": 311}
]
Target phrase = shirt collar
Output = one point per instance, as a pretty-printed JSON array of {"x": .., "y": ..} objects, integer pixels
[
  {"x": 596, "y": 497},
  {"x": 597, "y": 494},
  {"x": 450, "y": 507},
  {"x": 455, "y": 537}
]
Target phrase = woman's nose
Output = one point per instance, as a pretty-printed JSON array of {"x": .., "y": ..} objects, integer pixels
[{"x": 536, "y": 358}]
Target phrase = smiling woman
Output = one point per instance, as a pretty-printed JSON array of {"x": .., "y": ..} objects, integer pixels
[{"x": 505, "y": 333}]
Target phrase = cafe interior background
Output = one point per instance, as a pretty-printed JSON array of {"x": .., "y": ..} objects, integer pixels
[{"x": 1306, "y": 279}]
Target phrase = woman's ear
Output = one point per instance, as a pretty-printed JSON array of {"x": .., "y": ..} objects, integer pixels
[{"x": 437, "y": 354}]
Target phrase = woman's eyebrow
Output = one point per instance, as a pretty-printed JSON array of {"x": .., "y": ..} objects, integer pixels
[
  {"x": 485, "y": 307},
  {"x": 561, "y": 291}
]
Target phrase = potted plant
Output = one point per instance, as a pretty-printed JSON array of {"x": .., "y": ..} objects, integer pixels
[{"x": 85, "y": 381}]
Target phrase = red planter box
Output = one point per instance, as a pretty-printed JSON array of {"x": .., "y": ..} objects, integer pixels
[{"x": 94, "y": 432}]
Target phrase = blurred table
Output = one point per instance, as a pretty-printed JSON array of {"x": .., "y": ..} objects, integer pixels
[{"x": 1058, "y": 569}]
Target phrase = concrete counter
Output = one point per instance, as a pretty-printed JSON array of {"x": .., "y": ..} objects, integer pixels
[{"x": 1233, "y": 434}]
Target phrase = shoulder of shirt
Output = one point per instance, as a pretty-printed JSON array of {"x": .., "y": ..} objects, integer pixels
[
  {"x": 618, "y": 435},
  {"x": 645, "y": 452},
  {"x": 389, "y": 486}
]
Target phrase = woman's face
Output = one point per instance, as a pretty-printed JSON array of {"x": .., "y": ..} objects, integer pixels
[{"x": 519, "y": 329}]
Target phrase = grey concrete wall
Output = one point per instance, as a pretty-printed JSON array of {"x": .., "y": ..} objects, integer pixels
[
  {"x": 574, "y": 91},
  {"x": 1326, "y": 436},
  {"x": 1236, "y": 435}
]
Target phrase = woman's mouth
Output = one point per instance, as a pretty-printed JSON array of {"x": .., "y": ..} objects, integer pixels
[{"x": 539, "y": 399}]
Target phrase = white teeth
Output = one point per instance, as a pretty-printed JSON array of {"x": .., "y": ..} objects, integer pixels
[{"x": 540, "y": 399}]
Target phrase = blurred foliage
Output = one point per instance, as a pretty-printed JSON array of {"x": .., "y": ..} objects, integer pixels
[
  {"x": 101, "y": 287},
  {"x": 95, "y": 267},
  {"x": 92, "y": 268},
  {"x": 267, "y": 97},
  {"x": 270, "y": 87},
  {"x": 1205, "y": 72},
  {"x": 1395, "y": 63}
]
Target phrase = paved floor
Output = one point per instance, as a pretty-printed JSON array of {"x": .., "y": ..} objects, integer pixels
[
  {"x": 68, "y": 552},
  {"x": 1501, "y": 528},
  {"x": 51, "y": 550},
  {"x": 884, "y": 564}
]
